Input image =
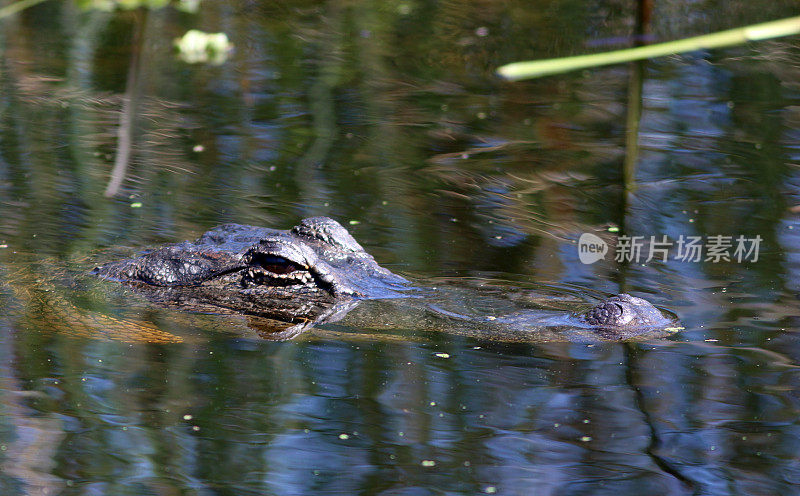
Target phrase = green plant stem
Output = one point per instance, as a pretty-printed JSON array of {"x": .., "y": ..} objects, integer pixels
[
  {"x": 537, "y": 68},
  {"x": 12, "y": 9}
]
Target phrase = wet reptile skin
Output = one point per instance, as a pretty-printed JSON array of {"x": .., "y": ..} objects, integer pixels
[{"x": 312, "y": 273}]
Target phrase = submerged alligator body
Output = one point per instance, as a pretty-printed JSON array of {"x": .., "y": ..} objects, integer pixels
[{"x": 313, "y": 273}]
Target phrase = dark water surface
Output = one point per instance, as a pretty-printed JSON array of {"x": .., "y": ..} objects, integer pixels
[{"x": 386, "y": 116}]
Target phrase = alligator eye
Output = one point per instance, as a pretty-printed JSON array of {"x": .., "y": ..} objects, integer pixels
[{"x": 274, "y": 264}]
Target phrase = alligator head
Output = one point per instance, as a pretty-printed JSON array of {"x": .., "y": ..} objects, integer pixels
[
  {"x": 312, "y": 273},
  {"x": 301, "y": 274}
]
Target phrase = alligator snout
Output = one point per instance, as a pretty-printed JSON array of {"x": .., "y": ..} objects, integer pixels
[{"x": 624, "y": 311}]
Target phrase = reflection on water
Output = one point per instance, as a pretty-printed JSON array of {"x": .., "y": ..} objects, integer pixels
[
  {"x": 384, "y": 417},
  {"x": 388, "y": 119}
]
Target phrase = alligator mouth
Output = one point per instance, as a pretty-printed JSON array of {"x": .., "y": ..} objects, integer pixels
[{"x": 264, "y": 269}]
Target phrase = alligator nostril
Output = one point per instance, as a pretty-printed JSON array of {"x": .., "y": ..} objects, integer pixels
[{"x": 605, "y": 313}]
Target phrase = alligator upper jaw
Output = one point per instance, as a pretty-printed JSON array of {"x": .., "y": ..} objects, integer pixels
[
  {"x": 622, "y": 315},
  {"x": 256, "y": 276},
  {"x": 257, "y": 280}
]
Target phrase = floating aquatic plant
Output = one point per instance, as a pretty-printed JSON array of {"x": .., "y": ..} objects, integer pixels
[{"x": 200, "y": 47}]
